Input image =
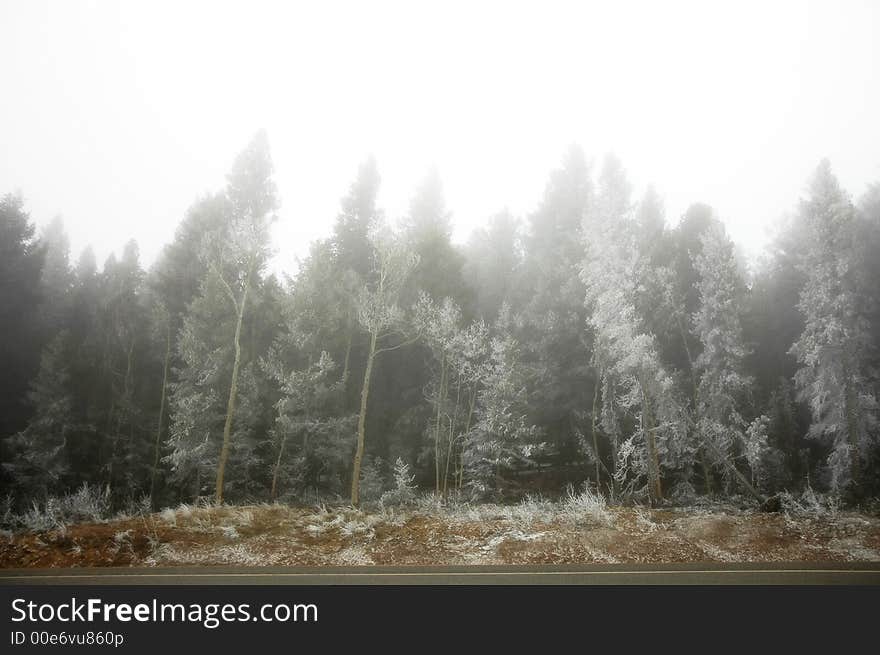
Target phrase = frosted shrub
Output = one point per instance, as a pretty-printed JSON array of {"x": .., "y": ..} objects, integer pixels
[
  {"x": 6, "y": 513},
  {"x": 404, "y": 492},
  {"x": 683, "y": 493},
  {"x": 86, "y": 504},
  {"x": 809, "y": 504},
  {"x": 586, "y": 507},
  {"x": 229, "y": 532},
  {"x": 430, "y": 503},
  {"x": 530, "y": 510},
  {"x": 372, "y": 482},
  {"x": 136, "y": 507},
  {"x": 37, "y": 518}
]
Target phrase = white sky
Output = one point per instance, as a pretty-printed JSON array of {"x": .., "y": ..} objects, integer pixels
[{"x": 118, "y": 115}]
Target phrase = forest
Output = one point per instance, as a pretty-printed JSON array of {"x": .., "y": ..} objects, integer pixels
[{"x": 595, "y": 343}]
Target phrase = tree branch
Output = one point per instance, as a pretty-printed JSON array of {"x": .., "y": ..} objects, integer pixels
[{"x": 400, "y": 345}]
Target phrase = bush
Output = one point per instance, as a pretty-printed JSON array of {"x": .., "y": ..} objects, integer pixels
[
  {"x": 809, "y": 504},
  {"x": 404, "y": 492},
  {"x": 86, "y": 504},
  {"x": 586, "y": 507},
  {"x": 372, "y": 481}
]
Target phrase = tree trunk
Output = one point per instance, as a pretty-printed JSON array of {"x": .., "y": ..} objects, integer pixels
[
  {"x": 156, "y": 449},
  {"x": 277, "y": 467},
  {"x": 437, "y": 425},
  {"x": 452, "y": 435},
  {"x": 743, "y": 481},
  {"x": 343, "y": 402},
  {"x": 362, "y": 421},
  {"x": 230, "y": 405},
  {"x": 467, "y": 429},
  {"x": 852, "y": 426},
  {"x": 655, "y": 490},
  {"x": 707, "y": 479},
  {"x": 593, "y": 430}
]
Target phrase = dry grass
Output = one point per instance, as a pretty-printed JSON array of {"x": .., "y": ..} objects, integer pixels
[{"x": 578, "y": 529}]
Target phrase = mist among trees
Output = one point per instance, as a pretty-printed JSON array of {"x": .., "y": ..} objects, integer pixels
[{"x": 595, "y": 340}]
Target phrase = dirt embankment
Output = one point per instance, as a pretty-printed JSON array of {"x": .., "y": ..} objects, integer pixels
[{"x": 536, "y": 533}]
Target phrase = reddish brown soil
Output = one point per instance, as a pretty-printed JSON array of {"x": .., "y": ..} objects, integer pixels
[{"x": 280, "y": 535}]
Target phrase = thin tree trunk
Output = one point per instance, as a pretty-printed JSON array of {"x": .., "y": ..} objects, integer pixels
[
  {"x": 593, "y": 429},
  {"x": 695, "y": 398},
  {"x": 343, "y": 396},
  {"x": 452, "y": 435},
  {"x": 362, "y": 421},
  {"x": 230, "y": 405},
  {"x": 437, "y": 424},
  {"x": 655, "y": 489},
  {"x": 743, "y": 480},
  {"x": 467, "y": 429},
  {"x": 347, "y": 359},
  {"x": 156, "y": 449},
  {"x": 277, "y": 467},
  {"x": 852, "y": 426}
]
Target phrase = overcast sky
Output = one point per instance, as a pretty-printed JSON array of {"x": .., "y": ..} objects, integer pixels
[{"x": 117, "y": 115}]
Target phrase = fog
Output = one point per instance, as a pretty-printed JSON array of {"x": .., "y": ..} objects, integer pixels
[{"x": 118, "y": 115}]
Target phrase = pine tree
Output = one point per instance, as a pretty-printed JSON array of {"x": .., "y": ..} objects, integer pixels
[
  {"x": 503, "y": 436},
  {"x": 833, "y": 348},
  {"x": 723, "y": 388},
  {"x": 56, "y": 278},
  {"x": 548, "y": 293},
  {"x": 633, "y": 375},
  {"x": 492, "y": 261},
  {"x": 21, "y": 263},
  {"x": 39, "y": 462}
]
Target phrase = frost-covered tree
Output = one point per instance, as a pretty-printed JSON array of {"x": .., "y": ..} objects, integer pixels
[
  {"x": 382, "y": 318},
  {"x": 548, "y": 294},
  {"x": 21, "y": 263},
  {"x": 123, "y": 324},
  {"x": 439, "y": 324},
  {"x": 502, "y": 436},
  {"x": 459, "y": 357},
  {"x": 833, "y": 348},
  {"x": 723, "y": 388},
  {"x": 427, "y": 233},
  {"x": 237, "y": 253},
  {"x": 161, "y": 324},
  {"x": 493, "y": 260},
  {"x": 234, "y": 253},
  {"x": 308, "y": 439},
  {"x": 39, "y": 459},
  {"x": 57, "y": 278},
  {"x": 634, "y": 378}
]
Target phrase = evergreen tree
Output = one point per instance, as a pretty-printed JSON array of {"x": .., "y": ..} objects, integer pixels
[
  {"x": 39, "y": 463},
  {"x": 21, "y": 263},
  {"x": 833, "y": 348},
  {"x": 723, "y": 390},
  {"x": 633, "y": 375},
  {"x": 549, "y": 296},
  {"x": 493, "y": 258}
]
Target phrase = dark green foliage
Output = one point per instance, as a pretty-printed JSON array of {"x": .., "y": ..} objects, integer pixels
[
  {"x": 21, "y": 263},
  {"x": 39, "y": 462},
  {"x": 549, "y": 299}
]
